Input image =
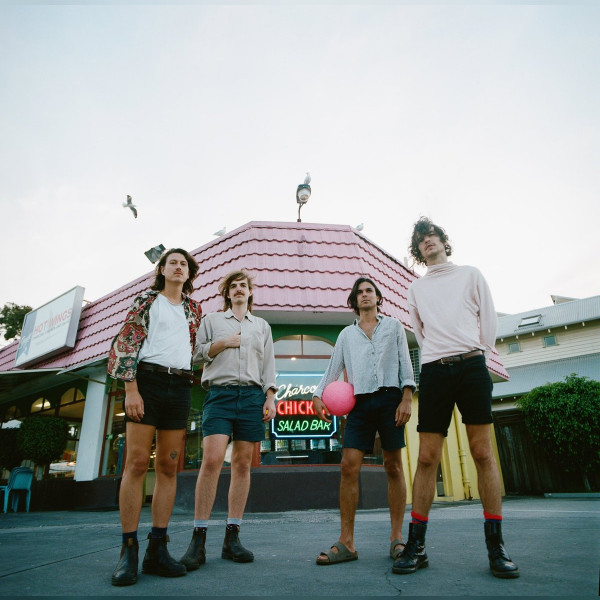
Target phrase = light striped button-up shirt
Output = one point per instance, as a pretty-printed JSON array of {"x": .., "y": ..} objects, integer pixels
[
  {"x": 253, "y": 363},
  {"x": 383, "y": 361}
]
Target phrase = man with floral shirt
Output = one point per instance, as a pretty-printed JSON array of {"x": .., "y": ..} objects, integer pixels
[{"x": 152, "y": 355}]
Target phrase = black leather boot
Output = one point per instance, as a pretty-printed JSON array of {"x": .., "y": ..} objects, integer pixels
[
  {"x": 195, "y": 555},
  {"x": 232, "y": 547},
  {"x": 413, "y": 556},
  {"x": 500, "y": 562},
  {"x": 125, "y": 572},
  {"x": 158, "y": 561}
]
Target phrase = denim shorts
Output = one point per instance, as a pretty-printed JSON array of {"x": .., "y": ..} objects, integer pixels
[
  {"x": 467, "y": 384},
  {"x": 166, "y": 399},
  {"x": 236, "y": 411},
  {"x": 372, "y": 413}
]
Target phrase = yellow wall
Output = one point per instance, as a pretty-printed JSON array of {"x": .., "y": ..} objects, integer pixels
[{"x": 458, "y": 468}]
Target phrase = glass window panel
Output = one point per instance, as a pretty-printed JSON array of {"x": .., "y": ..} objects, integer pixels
[
  {"x": 288, "y": 346},
  {"x": 313, "y": 346}
]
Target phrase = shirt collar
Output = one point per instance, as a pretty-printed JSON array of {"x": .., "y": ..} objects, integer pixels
[
  {"x": 379, "y": 318},
  {"x": 229, "y": 314}
]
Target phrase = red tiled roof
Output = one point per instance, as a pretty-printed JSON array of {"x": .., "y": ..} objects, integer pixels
[{"x": 297, "y": 268}]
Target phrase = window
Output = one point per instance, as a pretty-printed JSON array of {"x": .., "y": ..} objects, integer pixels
[
  {"x": 415, "y": 359},
  {"x": 514, "y": 347},
  {"x": 550, "y": 340},
  {"x": 533, "y": 320}
]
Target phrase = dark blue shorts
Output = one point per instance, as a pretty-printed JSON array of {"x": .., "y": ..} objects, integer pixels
[
  {"x": 467, "y": 384},
  {"x": 372, "y": 413},
  {"x": 166, "y": 399},
  {"x": 236, "y": 411}
]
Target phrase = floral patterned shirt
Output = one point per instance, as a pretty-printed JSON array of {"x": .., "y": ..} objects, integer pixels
[{"x": 124, "y": 350}]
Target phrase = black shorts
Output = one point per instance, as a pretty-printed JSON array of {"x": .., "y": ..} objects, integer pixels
[
  {"x": 466, "y": 383},
  {"x": 372, "y": 413},
  {"x": 166, "y": 399}
]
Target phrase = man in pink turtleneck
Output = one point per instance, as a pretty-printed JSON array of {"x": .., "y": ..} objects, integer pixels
[{"x": 454, "y": 321}]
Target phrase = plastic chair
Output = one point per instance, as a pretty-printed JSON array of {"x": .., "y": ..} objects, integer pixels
[{"x": 19, "y": 481}]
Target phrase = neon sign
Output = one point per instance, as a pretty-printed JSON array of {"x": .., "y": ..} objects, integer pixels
[{"x": 296, "y": 417}]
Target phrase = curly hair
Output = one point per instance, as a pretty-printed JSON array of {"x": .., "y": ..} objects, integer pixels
[
  {"x": 159, "y": 278},
  {"x": 423, "y": 227},
  {"x": 226, "y": 283},
  {"x": 353, "y": 297}
]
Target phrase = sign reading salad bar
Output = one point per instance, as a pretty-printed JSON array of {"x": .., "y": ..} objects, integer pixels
[{"x": 296, "y": 417}]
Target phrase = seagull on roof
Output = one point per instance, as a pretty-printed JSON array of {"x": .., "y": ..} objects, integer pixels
[
  {"x": 129, "y": 204},
  {"x": 360, "y": 227},
  {"x": 307, "y": 179},
  {"x": 221, "y": 231}
]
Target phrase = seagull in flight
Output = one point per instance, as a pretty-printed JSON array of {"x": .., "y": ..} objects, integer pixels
[
  {"x": 221, "y": 231},
  {"x": 307, "y": 179},
  {"x": 129, "y": 204}
]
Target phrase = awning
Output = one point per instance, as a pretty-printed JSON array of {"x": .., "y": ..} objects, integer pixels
[{"x": 12, "y": 383}]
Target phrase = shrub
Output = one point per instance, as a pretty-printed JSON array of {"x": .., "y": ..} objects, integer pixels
[{"x": 43, "y": 439}]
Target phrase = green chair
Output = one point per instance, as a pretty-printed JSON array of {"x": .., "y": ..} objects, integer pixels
[{"x": 19, "y": 481}]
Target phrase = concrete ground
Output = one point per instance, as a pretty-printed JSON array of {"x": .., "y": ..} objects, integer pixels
[{"x": 555, "y": 542}]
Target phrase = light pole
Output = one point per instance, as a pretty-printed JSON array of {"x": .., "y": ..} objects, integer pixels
[{"x": 303, "y": 194}]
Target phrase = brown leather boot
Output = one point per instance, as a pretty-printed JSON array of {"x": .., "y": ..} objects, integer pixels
[
  {"x": 232, "y": 547},
  {"x": 125, "y": 572},
  {"x": 195, "y": 555},
  {"x": 158, "y": 561}
]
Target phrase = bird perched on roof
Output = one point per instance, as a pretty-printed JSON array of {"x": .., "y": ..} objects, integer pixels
[
  {"x": 307, "y": 179},
  {"x": 221, "y": 231},
  {"x": 129, "y": 204},
  {"x": 360, "y": 227}
]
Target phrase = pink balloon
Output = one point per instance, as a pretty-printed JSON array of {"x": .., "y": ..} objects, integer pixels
[{"x": 339, "y": 398}]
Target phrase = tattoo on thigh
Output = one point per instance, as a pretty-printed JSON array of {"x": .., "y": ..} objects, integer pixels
[{"x": 173, "y": 454}]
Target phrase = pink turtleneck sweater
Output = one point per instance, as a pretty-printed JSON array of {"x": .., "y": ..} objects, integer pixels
[{"x": 452, "y": 312}]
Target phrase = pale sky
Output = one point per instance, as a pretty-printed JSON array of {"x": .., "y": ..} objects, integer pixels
[{"x": 484, "y": 118}]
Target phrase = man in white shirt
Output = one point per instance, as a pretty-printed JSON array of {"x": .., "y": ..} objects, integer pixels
[
  {"x": 374, "y": 353},
  {"x": 455, "y": 322},
  {"x": 236, "y": 349}
]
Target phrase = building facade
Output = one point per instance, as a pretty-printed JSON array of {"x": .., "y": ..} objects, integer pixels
[{"x": 302, "y": 275}]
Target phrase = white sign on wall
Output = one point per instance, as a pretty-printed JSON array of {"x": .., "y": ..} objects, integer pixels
[{"x": 50, "y": 329}]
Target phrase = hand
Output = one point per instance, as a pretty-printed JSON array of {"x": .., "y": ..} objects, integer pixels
[
  {"x": 321, "y": 409},
  {"x": 134, "y": 405},
  {"x": 404, "y": 410},
  {"x": 233, "y": 341},
  {"x": 269, "y": 409}
]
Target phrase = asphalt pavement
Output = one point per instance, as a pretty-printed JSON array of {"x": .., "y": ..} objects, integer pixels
[{"x": 554, "y": 541}]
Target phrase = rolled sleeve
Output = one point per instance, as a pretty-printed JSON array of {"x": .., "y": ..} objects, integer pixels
[
  {"x": 269, "y": 380},
  {"x": 204, "y": 342}
]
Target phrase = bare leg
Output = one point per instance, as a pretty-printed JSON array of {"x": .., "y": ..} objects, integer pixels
[
  {"x": 392, "y": 461},
  {"x": 241, "y": 460},
  {"x": 168, "y": 449},
  {"x": 214, "y": 447},
  {"x": 488, "y": 476},
  {"x": 430, "y": 453},
  {"x": 139, "y": 443},
  {"x": 351, "y": 463}
]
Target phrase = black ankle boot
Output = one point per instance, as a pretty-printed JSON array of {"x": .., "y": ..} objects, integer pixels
[
  {"x": 500, "y": 562},
  {"x": 158, "y": 561},
  {"x": 232, "y": 547},
  {"x": 413, "y": 556},
  {"x": 195, "y": 555},
  {"x": 125, "y": 572}
]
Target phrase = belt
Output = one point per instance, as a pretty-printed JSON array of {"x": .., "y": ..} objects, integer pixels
[
  {"x": 447, "y": 360},
  {"x": 143, "y": 366}
]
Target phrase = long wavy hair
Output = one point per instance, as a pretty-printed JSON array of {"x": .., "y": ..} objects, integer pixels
[
  {"x": 228, "y": 280},
  {"x": 159, "y": 278},
  {"x": 353, "y": 297},
  {"x": 422, "y": 227}
]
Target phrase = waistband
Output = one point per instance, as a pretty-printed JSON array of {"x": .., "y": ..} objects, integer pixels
[
  {"x": 235, "y": 387},
  {"x": 448, "y": 360},
  {"x": 381, "y": 390},
  {"x": 153, "y": 368}
]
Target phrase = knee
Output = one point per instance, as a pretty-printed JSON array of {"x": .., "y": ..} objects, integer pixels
[
  {"x": 166, "y": 467},
  {"x": 428, "y": 459},
  {"x": 137, "y": 465},
  {"x": 240, "y": 466},
  {"x": 350, "y": 469},
  {"x": 393, "y": 469},
  {"x": 482, "y": 454},
  {"x": 211, "y": 465}
]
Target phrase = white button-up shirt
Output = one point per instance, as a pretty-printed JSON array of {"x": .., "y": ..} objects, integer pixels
[
  {"x": 253, "y": 363},
  {"x": 383, "y": 361}
]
